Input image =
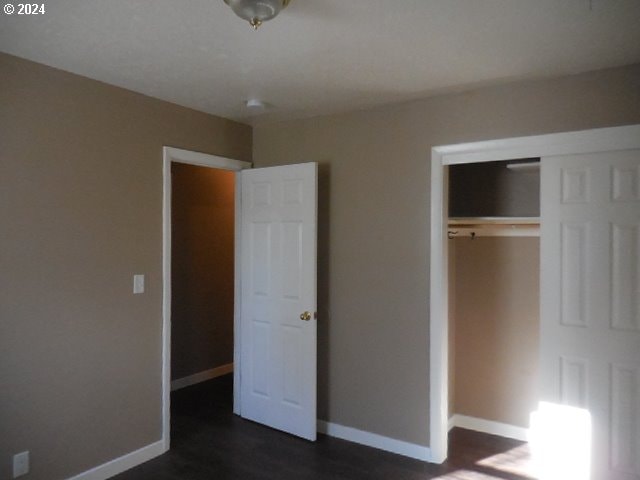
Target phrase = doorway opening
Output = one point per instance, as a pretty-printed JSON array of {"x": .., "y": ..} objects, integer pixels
[
  {"x": 202, "y": 276},
  {"x": 200, "y": 272}
]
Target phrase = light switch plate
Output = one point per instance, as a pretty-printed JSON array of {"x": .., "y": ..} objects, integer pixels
[{"x": 138, "y": 283}]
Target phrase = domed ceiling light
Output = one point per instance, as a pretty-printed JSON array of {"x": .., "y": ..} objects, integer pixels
[{"x": 257, "y": 11}]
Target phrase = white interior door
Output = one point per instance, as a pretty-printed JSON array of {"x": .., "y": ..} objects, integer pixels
[
  {"x": 278, "y": 299},
  {"x": 590, "y": 313}
]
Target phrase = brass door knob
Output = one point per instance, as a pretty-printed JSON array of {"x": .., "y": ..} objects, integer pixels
[{"x": 306, "y": 316}]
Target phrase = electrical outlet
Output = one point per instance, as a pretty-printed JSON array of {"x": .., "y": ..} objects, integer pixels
[{"x": 20, "y": 464}]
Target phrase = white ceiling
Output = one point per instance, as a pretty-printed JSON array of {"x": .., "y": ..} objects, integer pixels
[{"x": 322, "y": 56}]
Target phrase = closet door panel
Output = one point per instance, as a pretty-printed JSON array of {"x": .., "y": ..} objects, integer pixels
[{"x": 590, "y": 341}]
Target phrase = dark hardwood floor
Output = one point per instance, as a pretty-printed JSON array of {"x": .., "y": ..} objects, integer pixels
[{"x": 209, "y": 442}]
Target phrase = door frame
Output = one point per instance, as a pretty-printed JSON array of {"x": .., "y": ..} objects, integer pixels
[
  {"x": 176, "y": 155},
  {"x": 555, "y": 144}
]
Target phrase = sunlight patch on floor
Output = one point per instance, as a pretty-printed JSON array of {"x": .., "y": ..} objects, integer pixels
[
  {"x": 468, "y": 475},
  {"x": 516, "y": 461}
]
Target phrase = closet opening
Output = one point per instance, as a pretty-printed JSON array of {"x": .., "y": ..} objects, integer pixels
[
  {"x": 493, "y": 232},
  {"x": 588, "y": 225}
]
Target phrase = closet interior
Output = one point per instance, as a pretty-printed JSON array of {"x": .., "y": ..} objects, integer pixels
[{"x": 494, "y": 269}]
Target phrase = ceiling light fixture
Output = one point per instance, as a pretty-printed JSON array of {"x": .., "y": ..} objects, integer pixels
[{"x": 257, "y": 11}]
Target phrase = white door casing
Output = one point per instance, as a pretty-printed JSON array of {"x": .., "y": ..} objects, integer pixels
[
  {"x": 590, "y": 300},
  {"x": 278, "y": 268}
]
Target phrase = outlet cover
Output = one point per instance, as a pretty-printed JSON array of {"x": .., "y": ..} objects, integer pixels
[{"x": 20, "y": 464}]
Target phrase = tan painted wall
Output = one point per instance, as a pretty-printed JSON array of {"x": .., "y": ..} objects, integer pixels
[
  {"x": 497, "y": 325},
  {"x": 202, "y": 269},
  {"x": 80, "y": 213},
  {"x": 374, "y": 226}
]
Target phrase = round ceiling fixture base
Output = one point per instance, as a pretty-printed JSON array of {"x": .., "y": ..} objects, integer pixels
[{"x": 256, "y": 12}]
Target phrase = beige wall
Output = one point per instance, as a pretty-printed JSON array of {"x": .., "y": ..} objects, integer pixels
[
  {"x": 497, "y": 327},
  {"x": 374, "y": 226},
  {"x": 202, "y": 279},
  {"x": 80, "y": 213}
]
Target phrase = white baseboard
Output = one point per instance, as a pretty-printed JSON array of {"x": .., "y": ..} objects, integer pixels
[
  {"x": 183, "y": 382},
  {"x": 123, "y": 463},
  {"x": 489, "y": 426},
  {"x": 374, "y": 440}
]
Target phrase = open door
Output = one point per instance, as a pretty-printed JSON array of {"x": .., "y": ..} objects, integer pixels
[
  {"x": 590, "y": 316},
  {"x": 278, "y": 297}
]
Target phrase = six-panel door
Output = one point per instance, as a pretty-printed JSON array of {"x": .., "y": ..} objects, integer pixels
[
  {"x": 278, "y": 297},
  {"x": 590, "y": 307}
]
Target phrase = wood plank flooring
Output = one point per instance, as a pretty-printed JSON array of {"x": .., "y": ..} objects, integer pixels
[{"x": 210, "y": 443}]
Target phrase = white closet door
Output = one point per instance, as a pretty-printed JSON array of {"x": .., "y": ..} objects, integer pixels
[
  {"x": 590, "y": 314},
  {"x": 278, "y": 325}
]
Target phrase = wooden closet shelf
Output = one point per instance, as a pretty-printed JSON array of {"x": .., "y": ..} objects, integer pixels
[{"x": 494, "y": 227}]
